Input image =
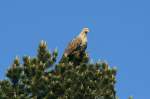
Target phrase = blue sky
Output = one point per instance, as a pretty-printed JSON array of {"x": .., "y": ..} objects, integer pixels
[{"x": 120, "y": 34}]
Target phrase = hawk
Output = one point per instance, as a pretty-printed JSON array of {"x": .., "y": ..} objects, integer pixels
[{"x": 77, "y": 46}]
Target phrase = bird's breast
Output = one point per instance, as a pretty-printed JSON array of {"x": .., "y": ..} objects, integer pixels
[{"x": 84, "y": 40}]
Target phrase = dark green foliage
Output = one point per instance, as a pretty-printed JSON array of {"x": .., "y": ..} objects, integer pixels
[{"x": 35, "y": 78}]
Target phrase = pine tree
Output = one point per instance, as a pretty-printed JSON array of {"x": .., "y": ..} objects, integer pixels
[{"x": 41, "y": 77}]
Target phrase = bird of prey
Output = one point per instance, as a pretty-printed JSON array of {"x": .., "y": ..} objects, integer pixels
[{"x": 78, "y": 45}]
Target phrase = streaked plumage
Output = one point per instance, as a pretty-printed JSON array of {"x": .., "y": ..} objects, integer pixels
[{"x": 78, "y": 45}]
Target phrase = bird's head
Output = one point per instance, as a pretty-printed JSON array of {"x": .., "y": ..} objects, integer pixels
[
  {"x": 84, "y": 33},
  {"x": 85, "y": 30}
]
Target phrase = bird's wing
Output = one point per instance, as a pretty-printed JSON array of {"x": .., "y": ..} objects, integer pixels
[{"x": 73, "y": 45}]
